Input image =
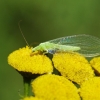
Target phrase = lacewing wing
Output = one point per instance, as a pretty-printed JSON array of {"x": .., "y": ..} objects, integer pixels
[{"x": 90, "y": 45}]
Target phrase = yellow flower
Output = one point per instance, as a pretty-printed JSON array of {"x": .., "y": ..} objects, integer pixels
[
  {"x": 32, "y": 98},
  {"x": 95, "y": 63},
  {"x": 73, "y": 66},
  {"x": 26, "y": 61},
  {"x": 90, "y": 90},
  {"x": 54, "y": 87}
]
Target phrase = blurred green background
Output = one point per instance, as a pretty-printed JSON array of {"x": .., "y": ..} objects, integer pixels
[{"x": 42, "y": 20}]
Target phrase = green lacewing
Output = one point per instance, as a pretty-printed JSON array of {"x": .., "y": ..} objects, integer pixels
[{"x": 87, "y": 45}]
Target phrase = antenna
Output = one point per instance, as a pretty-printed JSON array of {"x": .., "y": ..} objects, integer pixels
[{"x": 22, "y": 32}]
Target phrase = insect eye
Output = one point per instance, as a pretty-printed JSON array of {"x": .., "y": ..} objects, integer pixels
[{"x": 36, "y": 53}]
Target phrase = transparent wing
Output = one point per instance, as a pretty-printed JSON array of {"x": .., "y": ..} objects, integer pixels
[{"x": 90, "y": 45}]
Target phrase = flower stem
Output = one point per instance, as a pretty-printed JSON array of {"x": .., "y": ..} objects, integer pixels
[{"x": 27, "y": 82}]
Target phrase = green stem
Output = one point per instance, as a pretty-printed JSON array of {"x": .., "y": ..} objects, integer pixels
[{"x": 27, "y": 82}]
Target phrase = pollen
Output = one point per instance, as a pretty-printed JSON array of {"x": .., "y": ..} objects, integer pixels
[
  {"x": 22, "y": 60},
  {"x": 73, "y": 66},
  {"x": 54, "y": 87}
]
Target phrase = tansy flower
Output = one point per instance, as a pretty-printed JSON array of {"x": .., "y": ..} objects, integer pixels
[
  {"x": 32, "y": 98},
  {"x": 54, "y": 87},
  {"x": 95, "y": 63},
  {"x": 26, "y": 61},
  {"x": 90, "y": 90},
  {"x": 73, "y": 66}
]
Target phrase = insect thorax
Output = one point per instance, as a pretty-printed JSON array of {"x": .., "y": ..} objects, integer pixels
[
  {"x": 47, "y": 46},
  {"x": 43, "y": 46}
]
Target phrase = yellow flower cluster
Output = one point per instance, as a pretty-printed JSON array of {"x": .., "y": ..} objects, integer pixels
[
  {"x": 32, "y": 98},
  {"x": 54, "y": 87},
  {"x": 95, "y": 63},
  {"x": 90, "y": 90},
  {"x": 24, "y": 60},
  {"x": 73, "y": 66}
]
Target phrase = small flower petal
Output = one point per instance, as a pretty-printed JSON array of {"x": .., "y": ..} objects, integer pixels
[
  {"x": 32, "y": 98},
  {"x": 90, "y": 90},
  {"x": 95, "y": 63},
  {"x": 73, "y": 66},
  {"x": 24, "y": 60},
  {"x": 54, "y": 87}
]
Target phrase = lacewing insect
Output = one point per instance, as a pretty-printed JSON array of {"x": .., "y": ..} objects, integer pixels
[{"x": 87, "y": 45}]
